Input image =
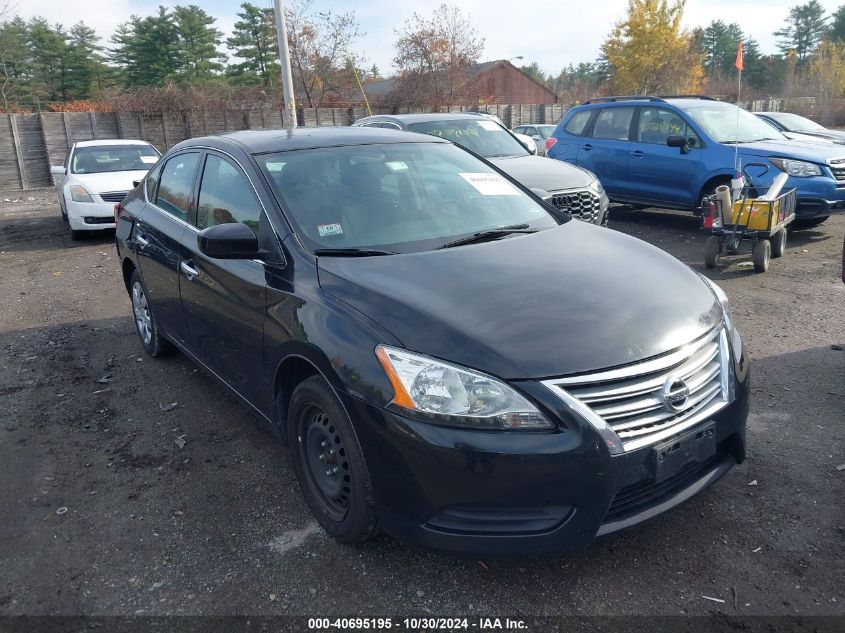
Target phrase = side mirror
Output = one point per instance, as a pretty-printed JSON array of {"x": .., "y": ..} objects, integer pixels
[
  {"x": 678, "y": 140},
  {"x": 229, "y": 241},
  {"x": 57, "y": 170}
]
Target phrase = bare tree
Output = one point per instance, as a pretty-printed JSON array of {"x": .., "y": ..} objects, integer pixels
[
  {"x": 320, "y": 51},
  {"x": 435, "y": 55}
]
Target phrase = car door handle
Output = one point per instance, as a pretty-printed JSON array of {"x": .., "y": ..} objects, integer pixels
[
  {"x": 587, "y": 147},
  {"x": 189, "y": 271},
  {"x": 143, "y": 241},
  {"x": 637, "y": 153}
]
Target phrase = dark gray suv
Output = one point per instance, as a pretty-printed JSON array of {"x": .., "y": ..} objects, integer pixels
[{"x": 572, "y": 189}]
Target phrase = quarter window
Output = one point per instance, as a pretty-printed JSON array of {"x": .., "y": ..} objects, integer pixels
[
  {"x": 226, "y": 196},
  {"x": 578, "y": 122},
  {"x": 152, "y": 182},
  {"x": 613, "y": 124},
  {"x": 657, "y": 124},
  {"x": 177, "y": 183}
]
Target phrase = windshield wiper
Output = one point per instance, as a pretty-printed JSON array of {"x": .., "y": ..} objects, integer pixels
[
  {"x": 488, "y": 235},
  {"x": 351, "y": 252}
]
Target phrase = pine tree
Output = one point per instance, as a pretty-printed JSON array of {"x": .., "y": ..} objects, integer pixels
[
  {"x": 196, "y": 43},
  {"x": 147, "y": 49},
  {"x": 804, "y": 29},
  {"x": 254, "y": 41},
  {"x": 84, "y": 62}
]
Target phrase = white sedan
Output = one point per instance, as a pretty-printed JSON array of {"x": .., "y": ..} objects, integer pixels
[{"x": 96, "y": 175}]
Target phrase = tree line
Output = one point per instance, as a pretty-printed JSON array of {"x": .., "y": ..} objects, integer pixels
[
  {"x": 648, "y": 51},
  {"x": 45, "y": 65}
]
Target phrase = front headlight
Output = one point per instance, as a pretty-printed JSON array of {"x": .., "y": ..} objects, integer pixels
[
  {"x": 797, "y": 168},
  {"x": 733, "y": 333},
  {"x": 78, "y": 193},
  {"x": 447, "y": 394},
  {"x": 596, "y": 186}
]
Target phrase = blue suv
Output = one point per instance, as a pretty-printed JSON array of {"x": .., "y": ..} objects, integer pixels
[{"x": 672, "y": 151}]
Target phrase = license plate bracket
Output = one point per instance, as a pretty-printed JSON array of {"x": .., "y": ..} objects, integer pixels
[{"x": 671, "y": 456}]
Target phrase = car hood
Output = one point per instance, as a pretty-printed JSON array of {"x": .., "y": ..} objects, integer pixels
[
  {"x": 801, "y": 150},
  {"x": 571, "y": 299},
  {"x": 108, "y": 181},
  {"x": 538, "y": 172},
  {"x": 836, "y": 136}
]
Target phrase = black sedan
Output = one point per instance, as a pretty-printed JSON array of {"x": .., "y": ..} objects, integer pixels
[
  {"x": 447, "y": 358},
  {"x": 798, "y": 127}
]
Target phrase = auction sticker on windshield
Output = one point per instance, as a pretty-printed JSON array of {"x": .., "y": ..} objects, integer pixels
[
  {"x": 329, "y": 229},
  {"x": 490, "y": 184}
]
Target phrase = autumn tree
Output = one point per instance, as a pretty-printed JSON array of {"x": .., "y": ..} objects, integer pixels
[
  {"x": 435, "y": 55},
  {"x": 322, "y": 59},
  {"x": 650, "y": 53},
  {"x": 827, "y": 69},
  {"x": 804, "y": 29},
  {"x": 253, "y": 40}
]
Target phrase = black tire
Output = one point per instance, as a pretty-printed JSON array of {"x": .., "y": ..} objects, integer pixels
[
  {"x": 710, "y": 189},
  {"x": 809, "y": 223},
  {"x": 779, "y": 243},
  {"x": 145, "y": 322},
  {"x": 762, "y": 253},
  {"x": 712, "y": 251},
  {"x": 328, "y": 462}
]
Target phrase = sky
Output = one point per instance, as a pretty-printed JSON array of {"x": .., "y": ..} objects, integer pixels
[{"x": 554, "y": 33}]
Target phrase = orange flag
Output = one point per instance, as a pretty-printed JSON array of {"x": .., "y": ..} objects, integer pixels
[{"x": 739, "y": 63}]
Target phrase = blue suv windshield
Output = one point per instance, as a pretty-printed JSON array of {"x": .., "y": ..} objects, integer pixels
[{"x": 726, "y": 123}]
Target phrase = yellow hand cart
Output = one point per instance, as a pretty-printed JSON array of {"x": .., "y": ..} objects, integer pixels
[{"x": 760, "y": 221}]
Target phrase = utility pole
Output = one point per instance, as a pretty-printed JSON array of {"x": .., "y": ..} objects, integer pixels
[{"x": 289, "y": 111}]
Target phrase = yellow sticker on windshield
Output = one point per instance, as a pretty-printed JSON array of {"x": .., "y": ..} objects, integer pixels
[{"x": 490, "y": 184}]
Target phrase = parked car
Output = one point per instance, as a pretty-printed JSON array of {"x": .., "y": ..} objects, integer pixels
[
  {"x": 575, "y": 190},
  {"x": 447, "y": 358},
  {"x": 795, "y": 136},
  {"x": 672, "y": 152},
  {"x": 94, "y": 176},
  {"x": 528, "y": 142},
  {"x": 538, "y": 133},
  {"x": 795, "y": 126}
]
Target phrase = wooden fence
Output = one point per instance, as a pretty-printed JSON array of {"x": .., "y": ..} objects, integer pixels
[{"x": 31, "y": 143}]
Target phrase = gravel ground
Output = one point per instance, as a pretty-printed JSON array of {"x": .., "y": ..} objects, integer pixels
[{"x": 137, "y": 486}]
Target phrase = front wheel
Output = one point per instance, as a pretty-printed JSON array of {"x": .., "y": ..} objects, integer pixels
[
  {"x": 329, "y": 463},
  {"x": 761, "y": 254}
]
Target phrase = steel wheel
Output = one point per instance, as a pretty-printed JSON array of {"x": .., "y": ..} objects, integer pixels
[
  {"x": 323, "y": 451},
  {"x": 143, "y": 318}
]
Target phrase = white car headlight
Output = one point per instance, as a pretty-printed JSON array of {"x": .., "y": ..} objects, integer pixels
[
  {"x": 596, "y": 186},
  {"x": 797, "y": 168},
  {"x": 78, "y": 193},
  {"x": 447, "y": 394},
  {"x": 733, "y": 333}
]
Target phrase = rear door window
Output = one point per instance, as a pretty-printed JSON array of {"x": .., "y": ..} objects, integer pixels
[
  {"x": 177, "y": 184},
  {"x": 613, "y": 124}
]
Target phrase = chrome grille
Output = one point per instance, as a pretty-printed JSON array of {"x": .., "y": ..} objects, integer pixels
[
  {"x": 584, "y": 204},
  {"x": 113, "y": 196},
  {"x": 634, "y": 404},
  {"x": 837, "y": 167}
]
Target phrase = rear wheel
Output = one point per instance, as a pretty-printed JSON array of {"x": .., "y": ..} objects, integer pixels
[
  {"x": 779, "y": 243},
  {"x": 145, "y": 322},
  {"x": 712, "y": 251},
  {"x": 762, "y": 253},
  {"x": 329, "y": 463}
]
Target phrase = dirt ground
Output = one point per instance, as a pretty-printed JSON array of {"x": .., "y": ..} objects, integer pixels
[{"x": 137, "y": 486}]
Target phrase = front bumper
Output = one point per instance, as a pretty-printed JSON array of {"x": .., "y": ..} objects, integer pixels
[
  {"x": 495, "y": 493},
  {"x": 90, "y": 216}
]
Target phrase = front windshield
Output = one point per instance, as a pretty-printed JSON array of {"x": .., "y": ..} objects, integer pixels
[
  {"x": 796, "y": 123},
  {"x": 97, "y": 159},
  {"x": 402, "y": 197},
  {"x": 726, "y": 123},
  {"x": 545, "y": 130},
  {"x": 483, "y": 136}
]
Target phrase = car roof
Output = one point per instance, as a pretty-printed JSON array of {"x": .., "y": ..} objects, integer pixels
[
  {"x": 280, "y": 140},
  {"x": 423, "y": 117},
  {"x": 111, "y": 141}
]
